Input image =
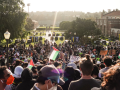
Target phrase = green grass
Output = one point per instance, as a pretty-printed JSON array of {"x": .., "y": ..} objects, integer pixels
[{"x": 59, "y": 41}]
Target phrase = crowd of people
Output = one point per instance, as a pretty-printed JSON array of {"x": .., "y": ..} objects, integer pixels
[{"x": 91, "y": 72}]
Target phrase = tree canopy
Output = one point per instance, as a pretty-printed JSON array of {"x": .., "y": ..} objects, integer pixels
[
  {"x": 30, "y": 24},
  {"x": 64, "y": 25},
  {"x": 12, "y": 18},
  {"x": 82, "y": 27}
]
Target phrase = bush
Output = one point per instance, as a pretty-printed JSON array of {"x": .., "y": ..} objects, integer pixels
[
  {"x": 57, "y": 34},
  {"x": 61, "y": 38},
  {"x": 40, "y": 38},
  {"x": 16, "y": 41},
  {"x": 22, "y": 41},
  {"x": 29, "y": 41},
  {"x": 40, "y": 28},
  {"x": 56, "y": 38}
]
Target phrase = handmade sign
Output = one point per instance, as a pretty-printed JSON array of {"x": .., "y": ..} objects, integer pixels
[
  {"x": 112, "y": 52},
  {"x": 103, "y": 52},
  {"x": 74, "y": 58}
]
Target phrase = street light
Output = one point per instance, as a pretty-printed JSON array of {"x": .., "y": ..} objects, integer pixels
[
  {"x": 34, "y": 37},
  {"x": 75, "y": 33},
  {"x": 28, "y": 7},
  {"x": 7, "y": 36}
]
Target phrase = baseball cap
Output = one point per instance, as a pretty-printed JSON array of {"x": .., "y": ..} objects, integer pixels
[{"x": 52, "y": 73}]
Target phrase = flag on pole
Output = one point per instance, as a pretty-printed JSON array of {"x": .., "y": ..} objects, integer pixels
[
  {"x": 53, "y": 54},
  {"x": 31, "y": 64}
]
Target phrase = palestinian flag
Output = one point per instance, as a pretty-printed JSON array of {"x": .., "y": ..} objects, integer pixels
[
  {"x": 31, "y": 64},
  {"x": 119, "y": 56},
  {"x": 53, "y": 54}
]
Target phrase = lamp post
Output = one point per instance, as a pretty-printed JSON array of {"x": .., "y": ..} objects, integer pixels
[
  {"x": 28, "y": 7},
  {"x": 34, "y": 37},
  {"x": 7, "y": 36},
  {"x": 74, "y": 37},
  {"x": 75, "y": 33}
]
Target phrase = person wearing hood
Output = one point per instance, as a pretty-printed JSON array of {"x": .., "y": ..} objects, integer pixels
[
  {"x": 27, "y": 82},
  {"x": 17, "y": 75}
]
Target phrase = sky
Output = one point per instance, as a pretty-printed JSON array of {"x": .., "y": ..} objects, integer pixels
[{"x": 72, "y": 5}]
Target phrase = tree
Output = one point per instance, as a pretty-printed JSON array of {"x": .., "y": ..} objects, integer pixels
[
  {"x": 12, "y": 17},
  {"x": 82, "y": 27},
  {"x": 30, "y": 24},
  {"x": 64, "y": 25}
]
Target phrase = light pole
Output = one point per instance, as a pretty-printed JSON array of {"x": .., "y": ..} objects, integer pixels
[
  {"x": 34, "y": 37},
  {"x": 7, "y": 36},
  {"x": 74, "y": 37},
  {"x": 28, "y": 7}
]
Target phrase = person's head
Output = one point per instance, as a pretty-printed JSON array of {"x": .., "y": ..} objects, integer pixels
[
  {"x": 95, "y": 70},
  {"x": 18, "y": 63},
  {"x": 86, "y": 66},
  {"x": 48, "y": 77},
  {"x": 107, "y": 61},
  {"x": 118, "y": 61},
  {"x": 34, "y": 70},
  {"x": 25, "y": 65},
  {"x": 77, "y": 74},
  {"x": 101, "y": 66},
  {"x": 69, "y": 73},
  {"x": 44, "y": 61},
  {"x": 5, "y": 77},
  {"x": 26, "y": 75},
  {"x": 111, "y": 78},
  {"x": 18, "y": 71}
]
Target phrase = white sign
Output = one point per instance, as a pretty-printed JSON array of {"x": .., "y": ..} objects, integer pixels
[{"x": 74, "y": 58}]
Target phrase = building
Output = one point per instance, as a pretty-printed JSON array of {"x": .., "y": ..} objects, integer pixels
[{"x": 109, "y": 23}]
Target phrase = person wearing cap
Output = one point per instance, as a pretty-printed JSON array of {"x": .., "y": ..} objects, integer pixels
[
  {"x": 17, "y": 75},
  {"x": 48, "y": 79}
]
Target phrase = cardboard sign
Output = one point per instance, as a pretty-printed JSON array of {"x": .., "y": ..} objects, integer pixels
[
  {"x": 112, "y": 52},
  {"x": 103, "y": 52},
  {"x": 74, "y": 58}
]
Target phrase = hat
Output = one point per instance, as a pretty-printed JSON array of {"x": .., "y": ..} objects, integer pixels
[
  {"x": 51, "y": 72},
  {"x": 98, "y": 62},
  {"x": 17, "y": 72},
  {"x": 72, "y": 64}
]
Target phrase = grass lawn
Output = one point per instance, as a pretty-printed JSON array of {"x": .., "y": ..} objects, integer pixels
[{"x": 59, "y": 41}]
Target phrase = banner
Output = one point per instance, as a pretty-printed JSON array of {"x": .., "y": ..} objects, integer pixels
[
  {"x": 36, "y": 39},
  {"x": 76, "y": 39},
  {"x": 74, "y": 58},
  {"x": 103, "y": 52}
]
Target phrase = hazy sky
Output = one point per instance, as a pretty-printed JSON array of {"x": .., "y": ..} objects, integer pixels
[{"x": 72, "y": 5}]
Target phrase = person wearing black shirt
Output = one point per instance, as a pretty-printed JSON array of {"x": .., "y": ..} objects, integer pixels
[{"x": 86, "y": 82}]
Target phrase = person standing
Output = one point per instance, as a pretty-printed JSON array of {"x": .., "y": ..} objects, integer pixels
[{"x": 86, "y": 82}]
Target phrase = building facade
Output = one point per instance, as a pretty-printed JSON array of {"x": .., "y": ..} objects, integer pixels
[{"x": 109, "y": 23}]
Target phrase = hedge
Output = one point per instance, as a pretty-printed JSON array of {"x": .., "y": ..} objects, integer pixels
[
  {"x": 56, "y": 38},
  {"x": 40, "y": 28}
]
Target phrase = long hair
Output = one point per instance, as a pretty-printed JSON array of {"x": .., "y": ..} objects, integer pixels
[{"x": 111, "y": 78}]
